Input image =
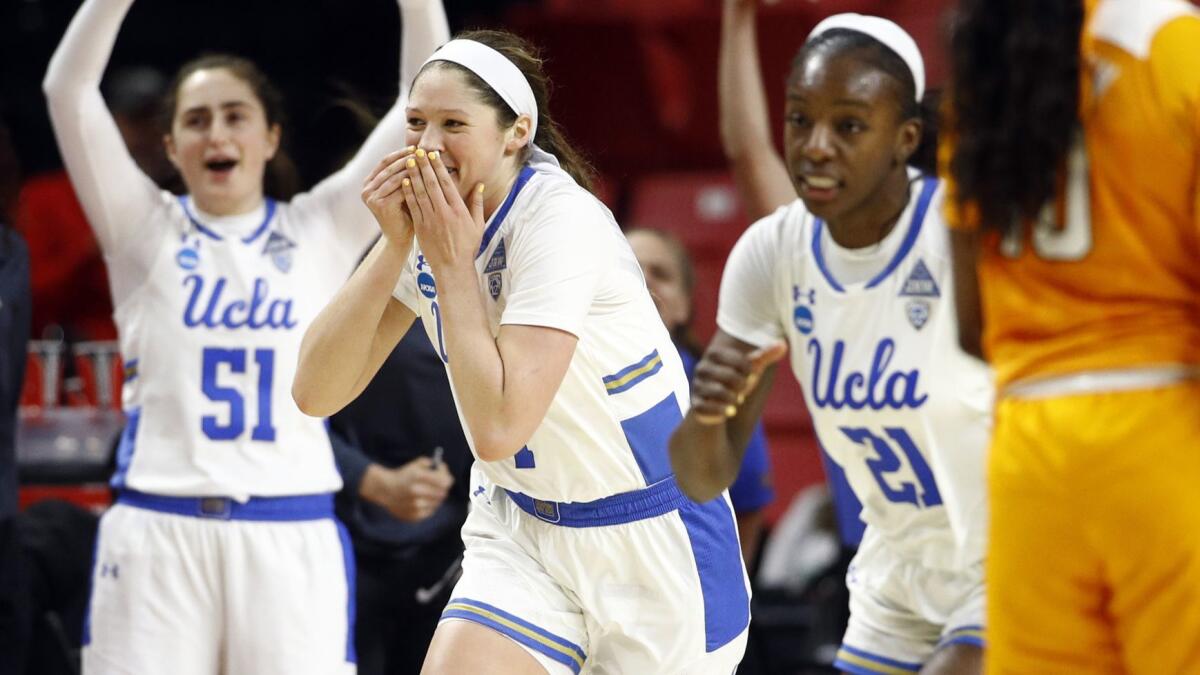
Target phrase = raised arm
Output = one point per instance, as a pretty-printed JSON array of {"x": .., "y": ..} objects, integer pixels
[
  {"x": 758, "y": 168},
  {"x": 424, "y": 29},
  {"x": 113, "y": 191}
]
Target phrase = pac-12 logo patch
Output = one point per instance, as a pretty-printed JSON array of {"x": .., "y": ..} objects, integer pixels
[
  {"x": 920, "y": 283},
  {"x": 280, "y": 248},
  {"x": 187, "y": 258},
  {"x": 918, "y": 313},
  {"x": 495, "y": 285},
  {"x": 802, "y": 317},
  {"x": 426, "y": 285}
]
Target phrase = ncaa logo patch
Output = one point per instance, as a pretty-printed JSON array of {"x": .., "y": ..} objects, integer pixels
[
  {"x": 280, "y": 249},
  {"x": 802, "y": 317},
  {"x": 495, "y": 285},
  {"x": 426, "y": 285},
  {"x": 187, "y": 258},
  {"x": 918, "y": 313}
]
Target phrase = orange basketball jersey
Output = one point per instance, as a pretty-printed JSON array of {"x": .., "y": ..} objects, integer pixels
[{"x": 1110, "y": 278}]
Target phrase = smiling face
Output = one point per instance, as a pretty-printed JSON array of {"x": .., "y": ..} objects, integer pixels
[
  {"x": 447, "y": 115},
  {"x": 845, "y": 133},
  {"x": 220, "y": 141}
]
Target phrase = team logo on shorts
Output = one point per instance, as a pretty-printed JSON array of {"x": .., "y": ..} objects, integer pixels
[
  {"x": 426, "y": 285},
  {"x": 547, "y": 511},
  {"x": 803, "y": 318},
  {"x": 187, "y": 258},
  {"x": 495, "y": 284},
  {"x": 920, "y": 283},
  {"x": 918, "y": 313},
  {"x": 280, "y": 249}
]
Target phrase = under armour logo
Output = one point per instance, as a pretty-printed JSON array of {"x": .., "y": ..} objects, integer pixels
[
  {"x": 478, "y": 491},
  {"x": 109, "y": 570},
  {"x": 810, "y": 294}
]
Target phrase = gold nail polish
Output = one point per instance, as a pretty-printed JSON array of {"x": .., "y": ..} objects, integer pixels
[
  {"x": 406, "y": 182},
  {"x": 730, "y": 410},
  {"x": 411, "y": 163},
  {"x": 420, "y": 152},
  {"x": 480, "y": 188},
  {"x": 434, "y": 155},
  {"x": 410, "y": 148}
]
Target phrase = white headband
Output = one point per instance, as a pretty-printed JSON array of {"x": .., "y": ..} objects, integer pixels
[
  {"x": 497, "y": 71},
  {"x": 892, "y": 36}
]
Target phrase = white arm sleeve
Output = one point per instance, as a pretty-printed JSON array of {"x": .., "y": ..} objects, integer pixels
[
  {"x": 556, "y": 263},
  {"x": 115, "y": 194},
  {"x": 339, "y": 195},
  {"x": 748, "y": 305}
]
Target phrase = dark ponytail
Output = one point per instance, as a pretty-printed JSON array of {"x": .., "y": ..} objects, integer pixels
[
  {"x": 525, "y": 57},
  {"x": 1014, "y": 104}
]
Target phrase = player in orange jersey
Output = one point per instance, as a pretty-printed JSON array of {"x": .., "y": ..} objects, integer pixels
[{"x": 1074, "y": 159}]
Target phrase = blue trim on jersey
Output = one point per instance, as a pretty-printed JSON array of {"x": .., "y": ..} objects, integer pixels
[
  {"x": 718, "y": 556},
  {"x": 861, "y": 662},
  {"x": 351, "y": 588},
  {"x": 212, "y": 234},
  {"x": 910, "y": 238},
  {"x": 273, "y": 509},
  {"x": 648, "y": 435},
  {"x": 966, "y": 635},
  {"x": 629, "y": 376},
  {"x": 126, "y": 447},
  {"x": 87, "y": 611},
  {"x": 130, "y": 371},
  {"x": 627, "y": 507},
  {"x": 498, "y": 218},
  {"x": 819, "y": 257},
  {"x": 263, "y": 227},
  {"x": 846, "y": 506},
  {"x": 535, "y": 637}
]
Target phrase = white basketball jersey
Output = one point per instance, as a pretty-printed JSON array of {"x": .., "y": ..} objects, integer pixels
[
  {"x": 553, "y": 256},
  {"x": 210, "y": 319},
  {"x": 893, "y": 399}
]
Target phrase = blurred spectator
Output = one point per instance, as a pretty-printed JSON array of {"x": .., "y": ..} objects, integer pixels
[
  {"x": 14, "y": 335},
  {"x": 134, "y": 95},
  {"x": 671, "y": 280},
  {"x": 408, "y": 556}
]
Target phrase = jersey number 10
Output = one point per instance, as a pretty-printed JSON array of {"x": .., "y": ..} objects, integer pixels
[
  {"x": 1070, "y": 239},
  {"x": 211, "y": 425}
]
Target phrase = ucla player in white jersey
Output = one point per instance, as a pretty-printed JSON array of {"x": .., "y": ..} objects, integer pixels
[
  {"x": 582, "y": 554},
  {"x": 854, "y": 277},
  {"x": 221, "y": 554}
]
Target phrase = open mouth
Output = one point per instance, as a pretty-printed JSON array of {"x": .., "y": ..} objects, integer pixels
[
  {"x": 221, "y": 165},
  {"x": 819, "y": 188}
]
